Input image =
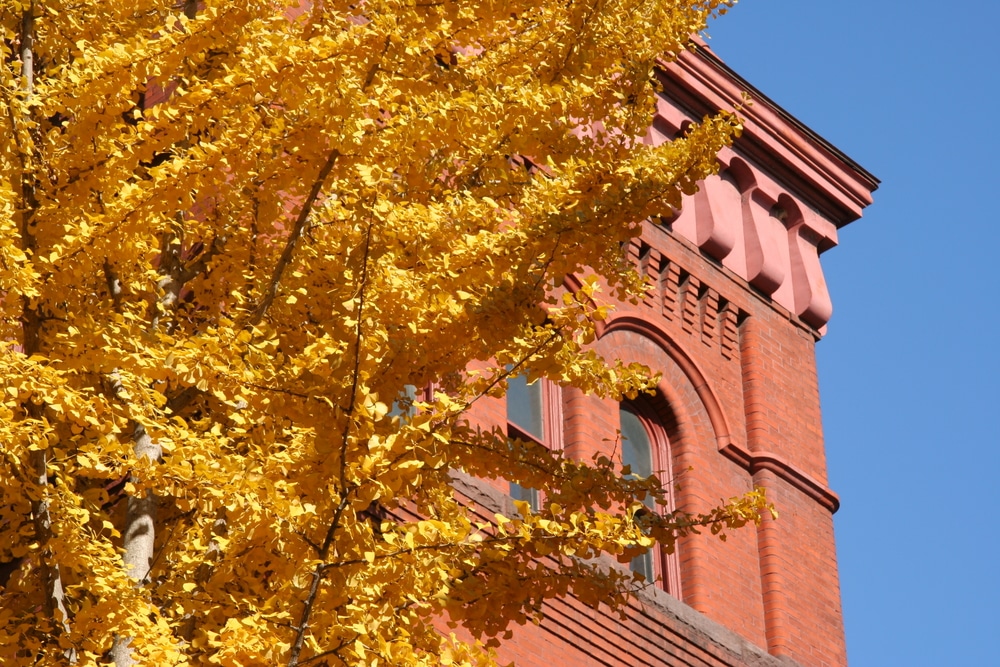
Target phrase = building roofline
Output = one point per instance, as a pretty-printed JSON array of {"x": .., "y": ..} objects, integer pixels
[{"x": 809, "y": 164}]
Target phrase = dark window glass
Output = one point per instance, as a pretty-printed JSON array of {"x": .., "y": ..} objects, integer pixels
[
  {"x": 528, "y": 495},
  {"x": 524, "y": 406},
  {"x": 636, "y": 449},
  {"x": 526, "y": 421},
  {"x": 637, "y": 453},
  {"x": 403, "y": 405}
]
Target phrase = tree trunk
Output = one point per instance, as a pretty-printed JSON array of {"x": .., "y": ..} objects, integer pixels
[
  {"x": 139, "y": 536},
  {"x": 140, "y": 516},
  {"x": 55, "y": 593}
]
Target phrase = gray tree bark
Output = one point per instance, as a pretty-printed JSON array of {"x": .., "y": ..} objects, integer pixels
[
  {"x": 55, "y": 593},
  {"x": 139, "y": 538}
]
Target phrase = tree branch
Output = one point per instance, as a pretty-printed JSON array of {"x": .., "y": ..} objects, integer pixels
[
  {"x": 556, "y": 333},
  {"x": 319, "y": 570},
  {"x": 286, "y": 255}
]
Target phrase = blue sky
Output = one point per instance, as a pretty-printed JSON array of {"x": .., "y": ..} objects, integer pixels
[{"x": 909, "y": 369}]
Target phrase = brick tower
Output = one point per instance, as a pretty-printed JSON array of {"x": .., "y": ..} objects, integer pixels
[{"x": 737, "y": 306}]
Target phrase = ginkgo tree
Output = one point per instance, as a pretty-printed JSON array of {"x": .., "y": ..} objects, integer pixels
[{"x": 232, "y": 234}]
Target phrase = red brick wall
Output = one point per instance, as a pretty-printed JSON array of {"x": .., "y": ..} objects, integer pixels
[
  {"x": 737, "y": 303},
  {"x": 740, "y": 406}
]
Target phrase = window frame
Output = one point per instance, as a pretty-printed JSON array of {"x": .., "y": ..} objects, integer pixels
[
  {"x": 551, "y": 431},
  {"x": 665, "y": 566}
]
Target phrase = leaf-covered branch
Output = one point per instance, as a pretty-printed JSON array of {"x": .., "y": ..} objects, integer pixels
[{"x": 232, "y": 236}]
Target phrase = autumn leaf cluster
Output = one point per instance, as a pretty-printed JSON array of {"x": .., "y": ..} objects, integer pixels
[{"x": 232, "y": 234}]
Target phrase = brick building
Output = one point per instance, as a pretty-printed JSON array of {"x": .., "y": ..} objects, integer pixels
[{"x": 738, "y": 304}]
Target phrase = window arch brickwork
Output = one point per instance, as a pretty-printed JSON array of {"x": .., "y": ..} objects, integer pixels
[
  {"x": 645, "y": 447},
  {"x": 705, "y": 568}
]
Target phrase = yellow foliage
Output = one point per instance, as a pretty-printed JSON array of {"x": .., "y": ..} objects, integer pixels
[{"x": 242, "y": 229}]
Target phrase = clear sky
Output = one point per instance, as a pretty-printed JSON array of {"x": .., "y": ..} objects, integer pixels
[{"x": 909, "y": 369}]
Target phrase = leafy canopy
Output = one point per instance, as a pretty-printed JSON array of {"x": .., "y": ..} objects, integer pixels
[{"x": 231, "y": 234}]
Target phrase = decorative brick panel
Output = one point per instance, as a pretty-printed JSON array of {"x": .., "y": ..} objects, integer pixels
[
  {"x": 671, "y": 278},
  {"x": 729, "y": 332},
  {"x": 689, "y": 304},
  {"x": 710, "y": 317}
]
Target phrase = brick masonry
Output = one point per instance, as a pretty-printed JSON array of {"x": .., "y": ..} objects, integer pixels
[{"x": 736, "y": 304}]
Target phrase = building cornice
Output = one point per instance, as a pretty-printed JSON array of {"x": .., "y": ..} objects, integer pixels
[{"x": 823, "y": 176}]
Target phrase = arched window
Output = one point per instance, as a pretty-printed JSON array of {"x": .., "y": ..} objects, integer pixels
[{"x": 645, "y": 449}]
